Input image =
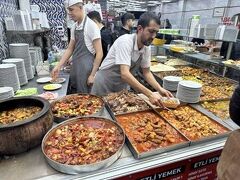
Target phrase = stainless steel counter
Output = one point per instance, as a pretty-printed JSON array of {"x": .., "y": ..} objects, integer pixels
[
  {"x": 203, "y": 57},
  {"x": 61, "y": 92},
  {"x": 214, "y": 65},
  {"x": 32, "y": 165},
  {"x": 199, "y": 56}
]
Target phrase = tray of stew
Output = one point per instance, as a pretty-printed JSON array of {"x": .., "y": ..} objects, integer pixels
[
  {"x": 76, "y": 105},
  {"x": 83, "y": 144},
  {"x": 124, "y": 102},
  {"x": 218, "y": 108},
  {"x": 195, "y": 125},
  {"x": 148, "y": 134}
]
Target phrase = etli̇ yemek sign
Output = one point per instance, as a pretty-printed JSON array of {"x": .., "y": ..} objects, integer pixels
[{"x": 200, "y": 167}]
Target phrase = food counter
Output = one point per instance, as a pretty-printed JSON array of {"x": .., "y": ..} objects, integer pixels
[
  {"x": 32, "y": 164},
  {"x": 61, "y": 92},
  {"x": 205, "y": 61}
]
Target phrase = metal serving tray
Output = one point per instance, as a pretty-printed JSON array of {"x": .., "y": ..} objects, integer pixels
[
  {"x": 226, "y": 122},
  {"x": 138, "y": 155},
  {"x": 61, "y": 119},
  {"x": 214, "y": 73},
  {"x": 205, "y": 139},
  {"x": 112, "y": 114},
  {"x": 219, "y": 99},
  {"x": 208, "y": 112},
  {"x": 210, "y": 100},
  {"x": 161, "y": 78},
  {"x": 75, "y": 169},
  {"x": 187, "y": 65}
]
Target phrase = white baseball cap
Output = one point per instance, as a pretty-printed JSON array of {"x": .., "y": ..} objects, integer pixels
[{"x": 69, "y": 3}]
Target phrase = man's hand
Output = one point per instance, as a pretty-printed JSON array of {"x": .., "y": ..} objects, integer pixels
[
  {"x": 165, "y": 93},
  {"x": 155, "y": 99},
  {"x": 55, "y": 72},
  {"x": 69, "y": 62},
  {"x": 90, "y": 80}
]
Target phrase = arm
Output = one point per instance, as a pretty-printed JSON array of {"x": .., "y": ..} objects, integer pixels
[
  {"x": 133, "y": 82},
  {"x": 67, "y": 54},
  {"x": 97, "y": 61},
  {"x": 152, "y": 81}
]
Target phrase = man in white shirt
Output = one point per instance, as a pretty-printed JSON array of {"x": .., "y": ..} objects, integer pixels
[
  {"x": 127, "y": 54},
  {"x": 85, "y": 48},
  {"x": 92, "y": 6}
]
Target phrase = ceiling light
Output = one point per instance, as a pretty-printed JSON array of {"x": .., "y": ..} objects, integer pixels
[{"x": 165, "y": 1}]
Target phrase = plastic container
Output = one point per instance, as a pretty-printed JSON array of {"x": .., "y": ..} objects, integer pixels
[{"x": 171, "y": 102}]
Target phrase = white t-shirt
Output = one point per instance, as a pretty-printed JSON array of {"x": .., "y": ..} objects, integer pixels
[
  {"x": 89, "y": 7},
  {"x": 91, "y": 32},
  {"x": 122, "y": 50}
]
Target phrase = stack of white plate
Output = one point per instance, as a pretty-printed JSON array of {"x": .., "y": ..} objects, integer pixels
[
  {"x": 9, "y": 76},
  {"x": 38, "y": 51},
  {"x": 20, "y": 69},
  {"x": 171, "y": 82},
  {"x": 34, "y": 70},
  {"x": 34, "y": 57},
  {"x": 189, "y": 91},
  {"x": 21, "y": 50},
  {"x": 6, "y": 92}
]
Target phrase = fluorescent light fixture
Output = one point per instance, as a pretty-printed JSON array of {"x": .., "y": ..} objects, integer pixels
[{"x": 165, "y": 1}]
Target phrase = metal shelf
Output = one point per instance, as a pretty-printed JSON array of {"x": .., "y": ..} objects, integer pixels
[
  {"x": 29, "y": 32},
  {"x": 185, "y": 35}
]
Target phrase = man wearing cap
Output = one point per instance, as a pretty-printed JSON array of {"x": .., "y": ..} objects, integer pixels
[
  {"x": 85, "y": 48},
  {"x": 129, "y": 53}
]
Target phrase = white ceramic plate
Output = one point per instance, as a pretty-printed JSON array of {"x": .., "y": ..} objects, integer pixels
[
  {"x": 7, "y": 66},
  {"x": 49, "y": 95},
  {"x": 190, "y": 84},
  {"x": 44, "y": 80},
  {"x": 52, "y": 87},
  {"x": 173, "y": 78},
  {"x": 58, "y": 80},
  {"x": 5, "y": 89},
  {"x": 18, "y": 44}
]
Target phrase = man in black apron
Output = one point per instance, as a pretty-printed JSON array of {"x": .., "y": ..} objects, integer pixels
[
  {"x": 85, "y": 48},
  {"x": 127, "y": 54}
]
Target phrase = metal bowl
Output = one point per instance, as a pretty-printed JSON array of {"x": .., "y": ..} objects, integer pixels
[
  {"x": 61, "y": 119},
  {"x": 75, "y": 169}
]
